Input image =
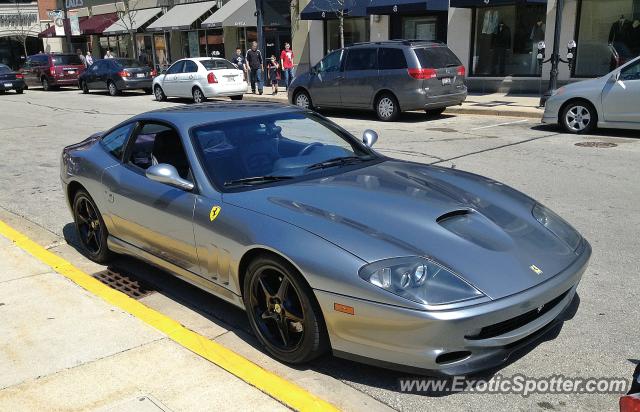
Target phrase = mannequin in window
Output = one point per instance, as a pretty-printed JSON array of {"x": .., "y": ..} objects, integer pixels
[
  {"x": 501, "y": 46},
  {"x": 536, "y": 36}
]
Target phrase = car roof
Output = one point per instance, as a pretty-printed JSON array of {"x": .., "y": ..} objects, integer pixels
[
  {"x": 400, "y": 43},
  {"x": 185, "y": 117}
]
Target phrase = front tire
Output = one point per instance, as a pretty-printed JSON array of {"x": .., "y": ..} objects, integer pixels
[
  {"x": 198, "y": 96},
  {"x": 579, "y": 117},
  {"x": 283, "y": 312},
  {"x": 90, "y": 228},
  {"x": 159, "y": 94},
  {"x": 237, "y": 97},
  {"x": 387, "y": 107},
  {"x": 302, "y": 99},
  {"x": 113, "y": 89}
]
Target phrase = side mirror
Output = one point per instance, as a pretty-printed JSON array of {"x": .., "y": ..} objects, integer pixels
[
  {"x": 167, "y": 174},
  {"x": 614, "y": 77},
  {"x": 369, "y": 137}
]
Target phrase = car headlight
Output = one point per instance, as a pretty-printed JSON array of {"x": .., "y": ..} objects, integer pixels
[
  {"x": 557, "y": 226},
  {"x": 558, "y": 91},
  {"x": 419, "y": 279}
]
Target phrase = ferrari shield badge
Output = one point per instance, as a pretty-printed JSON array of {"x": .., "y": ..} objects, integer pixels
[
  {"x": 215, "y": 211},
  {"x": 536, "y": 269}
]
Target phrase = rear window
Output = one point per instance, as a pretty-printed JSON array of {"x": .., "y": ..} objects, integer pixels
[
  {"x": 436, "y": 58},
  {"x": 5, "y": 69},
  {"x": 215, "y": 64},
  {"x": 59, "y": 60},
  {"x": 128, "y": 63}
]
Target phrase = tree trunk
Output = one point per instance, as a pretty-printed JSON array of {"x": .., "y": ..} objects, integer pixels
[{"x": 342, "y": 29}]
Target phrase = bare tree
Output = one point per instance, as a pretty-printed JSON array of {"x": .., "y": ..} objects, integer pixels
[
  {"x": 126, "y": 20},
  {"x": 25, "y": 25},
  {"x": 338, "y": 7}
]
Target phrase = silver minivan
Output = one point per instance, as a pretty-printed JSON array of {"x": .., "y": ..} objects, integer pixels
[{"x": 388, "y": 77}]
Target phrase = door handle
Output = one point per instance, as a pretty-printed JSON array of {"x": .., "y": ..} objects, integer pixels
[{"x": 190, "y": 77}]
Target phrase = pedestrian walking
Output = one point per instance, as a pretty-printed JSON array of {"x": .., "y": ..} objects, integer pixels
[
  {"x": 81, "y": 56},
  {"x": 239, "y": 61},
  {"x": 88, "y": 60},
  {"x": 109, "y": 55},
  {"x": 274, "y": 76},
  {"x": 253, "y": 64},
  {"x": 286, "y": 59}
]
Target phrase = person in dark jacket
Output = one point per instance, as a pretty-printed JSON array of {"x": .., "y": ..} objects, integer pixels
[
  {"x": 254, "y": 62},
  {"x": 501, "y": 45}
]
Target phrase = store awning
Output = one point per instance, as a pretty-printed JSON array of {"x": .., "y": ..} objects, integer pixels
[
  {"x": 406, "y": 6},
  {"x": 241, "y": 13},
  {"x": 330, "y": 9},
  {"x": 182, "y": 16},
  {"x": 97, "y": 24},
  {"x": 492, "y": 3},
  {"x": 132, "y": 21},
  {"x": 49, "y": 32}
]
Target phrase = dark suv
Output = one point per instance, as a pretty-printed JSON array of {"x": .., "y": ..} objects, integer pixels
[
  {"x": 388, "y": 77},
  {"x": 52, "y": 70}
]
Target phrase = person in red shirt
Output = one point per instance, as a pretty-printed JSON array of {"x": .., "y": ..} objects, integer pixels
[{"x": 286, "y": 63}]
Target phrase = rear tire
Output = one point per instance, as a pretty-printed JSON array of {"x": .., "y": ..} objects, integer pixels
[
  {"x": 198, "y": 95},
  {"x": 435, "y": 112},
  {"x": 237, "y": 97},
  {"x": 90, "y": 228},
  {"x": 113, "y": 89},
  {"x": 387, "y": 107},
  {"x": 579, "y": 117},
  {"x": 45, "y": 84},
  {"x": 160, "y": 96}
]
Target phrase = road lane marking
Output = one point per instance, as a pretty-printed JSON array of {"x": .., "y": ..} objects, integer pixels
[
  {"x": 273, "y": 385},
  {"x": 500, "y": 124}
]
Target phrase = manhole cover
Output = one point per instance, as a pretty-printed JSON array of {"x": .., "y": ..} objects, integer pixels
[
  {"x": 599, "y": 145},
  {"x": 125, "y": 283}
]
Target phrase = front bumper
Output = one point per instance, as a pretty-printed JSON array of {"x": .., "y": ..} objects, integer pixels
[
  {"x": 551, "y": 111},
  {"x": 17, "y": 84},
  {"x": 486, "y": 334}
]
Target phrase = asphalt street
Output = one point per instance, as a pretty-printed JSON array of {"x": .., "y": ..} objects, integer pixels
[{"x": 592, "y": 181}]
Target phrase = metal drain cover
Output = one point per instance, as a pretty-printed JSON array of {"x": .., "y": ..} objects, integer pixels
[
  {"x": 598, "y": 145},
  {"x": 124, "y": 282}
]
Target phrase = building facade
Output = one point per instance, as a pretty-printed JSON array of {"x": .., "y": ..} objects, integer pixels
[
  {"x": 19, "y": 28},
  {"x": 497, "y": 40}
]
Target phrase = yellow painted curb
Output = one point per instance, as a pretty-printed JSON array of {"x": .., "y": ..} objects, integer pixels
[{"x": 273, "y": 385}]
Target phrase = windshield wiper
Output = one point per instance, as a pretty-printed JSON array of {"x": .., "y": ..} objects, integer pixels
[
  {"x": 256, "y": 180},
  {"x": 337, "y": 161}
]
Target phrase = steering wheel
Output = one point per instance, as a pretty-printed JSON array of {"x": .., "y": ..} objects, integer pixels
[{"x": 309, "y": 148}]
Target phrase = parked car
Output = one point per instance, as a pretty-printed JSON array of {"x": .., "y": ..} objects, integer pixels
[
  {"x": 388, "y": 77},
  {"x": 327, "y": 244},
  {"x": 200, "y": 79},
  {"x": 52, "y": 70},
  {"x": 116, "y": 75},
  {"x": 608, "y": 101},
  {"x": 631, "y": 401},
  {"x": 10, "y": 80}
]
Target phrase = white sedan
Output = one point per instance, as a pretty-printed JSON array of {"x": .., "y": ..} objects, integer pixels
[{"x": 200, "y": 78}]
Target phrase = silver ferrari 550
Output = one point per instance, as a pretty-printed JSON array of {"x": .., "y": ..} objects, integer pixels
[{"x": 327, "y": 244}]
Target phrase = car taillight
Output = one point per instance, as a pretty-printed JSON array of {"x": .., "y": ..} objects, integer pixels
[
  {"x": 462, "y": 71},
  {"x": 19, "y": 76},
  {"x": 211, "y": 78},
  {"x": 124, "y": 73},
  {"x": 630, "y": 403},
  {"x": 423, "y": 74},
  {"x": 52, "y": 70},
  {"x": 154, "y": 73}
]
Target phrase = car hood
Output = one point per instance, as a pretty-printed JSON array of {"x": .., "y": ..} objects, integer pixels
[{"x": 481, "y": 229}]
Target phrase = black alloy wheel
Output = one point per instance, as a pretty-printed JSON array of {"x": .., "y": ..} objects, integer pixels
[
  {"x": 90, "y": 228},
  {"x": 282, "y": 315}
]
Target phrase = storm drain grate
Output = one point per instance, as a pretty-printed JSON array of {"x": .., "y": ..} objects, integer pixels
[
  {"x": 598, "y": 145},
  {"x": 125, "y": 283}
]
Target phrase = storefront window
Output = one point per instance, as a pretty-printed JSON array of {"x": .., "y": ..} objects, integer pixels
[
  {"x": 420, "y": 28},
  {"x": 160, "y": 49},
  {"x": 506, "y": 38},
  {"x": 608, "y": 35},
  {"x": 355, "y": 30}
]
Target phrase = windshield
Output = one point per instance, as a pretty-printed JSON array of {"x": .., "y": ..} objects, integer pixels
[
  {"x": 66, "y": 59},
  {"x": 216, "y": 64},
  {"x": 264, "y": 149},
  {"x": 436, "y": 58}
]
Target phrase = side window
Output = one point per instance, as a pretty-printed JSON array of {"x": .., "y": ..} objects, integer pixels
[
  {"x": 631, "y": 72},
  {"x": 156, "y": 143},
  {"x": 114, "y": 142},
  {"x": 391, "y": 59},
  {"x": 176, "y": 67},
  {"x": 362, "y": 59},
  {"x": 190, "y": 67},
  {"x": 43, "y": 60},
  {"x": 331, "y": 63},
  {"x": 94, "y": 67}
]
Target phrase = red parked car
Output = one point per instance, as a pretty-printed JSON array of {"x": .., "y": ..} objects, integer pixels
[{"x": 52, "y": 70}]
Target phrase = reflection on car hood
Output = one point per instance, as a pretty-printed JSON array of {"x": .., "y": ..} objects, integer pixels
[{"x": 480, "y": 228}]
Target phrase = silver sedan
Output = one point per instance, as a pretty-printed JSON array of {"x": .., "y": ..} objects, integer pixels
[
  {"x": 611, "y": 101},
  {"x": 328, "y": 245}
]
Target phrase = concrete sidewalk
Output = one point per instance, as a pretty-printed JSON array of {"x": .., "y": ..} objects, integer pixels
[
  {"x": 495, "y": 104},
  {"x": 62, "y": 348}
]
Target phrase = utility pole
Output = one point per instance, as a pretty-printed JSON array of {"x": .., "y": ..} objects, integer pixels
[
  {"x": 66, "y": 23},
  {"x": 555, "y": 56},
  {"x": 260, "y": 25}
]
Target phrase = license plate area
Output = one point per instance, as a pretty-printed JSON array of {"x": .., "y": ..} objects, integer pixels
[
  {"x": 446, "y": 81},
  {"x": 8, "y": 84},
  {"x": 140, "y": 75}
]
